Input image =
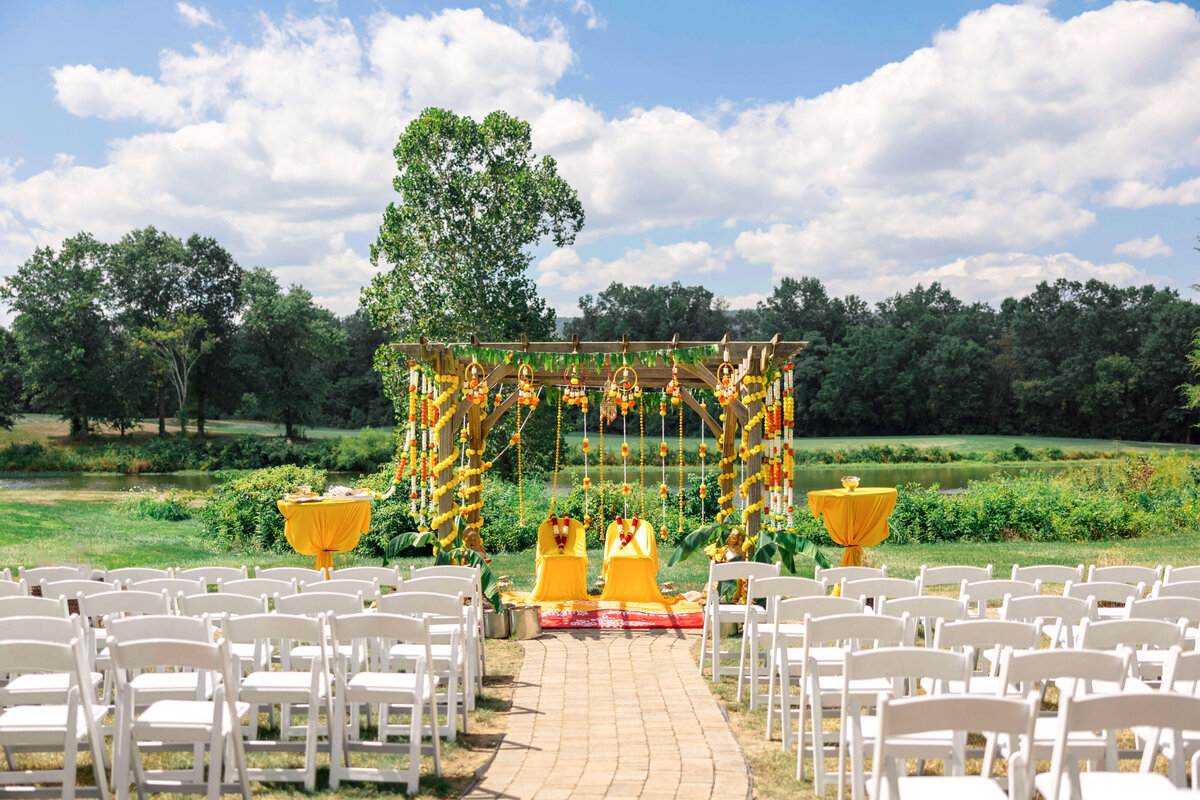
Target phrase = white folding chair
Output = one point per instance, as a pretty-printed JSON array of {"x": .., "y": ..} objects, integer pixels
[
  {"x": 1172, "y": 574},
  {"x": 901, "y": 720},
  {"x": 904, "y": 668},
  {"x": 951, "y": 577},
  {"x": 33, "y": 607},
  {"x": 756, "y": 627},
  {"x": 74, "y": 589},
  {"x": 385, "y": 577},
  {"x": 126, "y": 575},
  {"x": 717, "y": 612},
  {"x": 1058, "y": 617},
  {"x": 477, "y": 601},
  {"x": 467, "y": 584},
  {"x": 1177, "y": 589},
  {"x": 1109, "y": 713},
  {"x": 174, "y": 587},
  {"x": 1150, "y": 639},
  {"x": 99, "y": 609},
  {"x": 821, "y": 680},
  {"x": 59, "y": 723},
  {"x": 985, "y": 638},
  {"x": 835, "y": 575},
  {"x": 161, "y": 685},
  {"x": 368, "y": 590},
  {"x": 1048, "y": 574},
  {"x": 221, "y": 604},
  {"x": 1075, "y": 673},
  {"x": 210, "y": 716},
  {"x": 45, "y": 687},
  {"x": 257, "y": 587},
  {"x": 872, "y": 590},
  {"x": 1170, "y": 609},
  {"x": 1125, "y": 573},
  {"x": 924, "y": 610},
  {"x": 451, "y": 665},
  {"x": 294, "y": 686},
  {"x": 1181, "y": 675},
  {"x": 69, "y": 572},
  {"x": 413, "y": 692},
  {"x": 791, "y": 617},
  {"x": 11, "y": 588},
  {"x": 1111, "y": 596},
  {"x": 979, "y": 594},
  {"x": 210, "y": 576},
  {"x": 298, "y": 574}
]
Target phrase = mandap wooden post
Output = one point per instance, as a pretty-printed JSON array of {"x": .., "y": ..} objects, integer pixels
[{"x": 728, "y": 451}]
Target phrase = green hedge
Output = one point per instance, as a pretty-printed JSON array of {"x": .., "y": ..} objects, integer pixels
[{"x": 241, "y": 512}]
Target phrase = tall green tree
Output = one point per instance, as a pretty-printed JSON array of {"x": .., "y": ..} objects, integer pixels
[
  {"x": 10, "y": 379},
  {"x": 63, "y": 334},
  {"x": 212, "y": 289},
  {"x": 651, "y": 313},
  {"x": 145, "y": 278},
  {"x": 284, "y": 343},
  {"x": 176, "y": 344}
]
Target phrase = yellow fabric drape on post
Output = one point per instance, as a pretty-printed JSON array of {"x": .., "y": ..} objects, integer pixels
[
  {"x": 631, "y": 572},
  {"x": 321, "y": 529},
  {"x": 855, "y": 519},
  {"x": 561, "y": 576}
]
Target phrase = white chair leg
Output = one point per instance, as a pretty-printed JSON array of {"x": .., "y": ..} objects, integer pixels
[
  {"x": 70, "y": 753},
  {"x": 339, "y": 754},
  {"x": 310, "y": 747}
]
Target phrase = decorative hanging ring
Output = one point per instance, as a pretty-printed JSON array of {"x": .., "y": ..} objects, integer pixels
[
  {"x": 726, "y": 388},
  {"x": 526, "y": 388},
  {"x": 624, "y": 389},
  {"x": 575, "y": 378},
  {"x": 475, "y": 387}
]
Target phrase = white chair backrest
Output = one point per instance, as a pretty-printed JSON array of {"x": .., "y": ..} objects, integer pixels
[
  {"x": 1106, "y": 591},
  {"x": 298, "y": 574},
  {"x": 41, "y": 656},
  {"x": 174, "y": 587},
  {"x": 74, "y": 588},
  {"x": 1073, "y": 671},
  {"x": 257, "y": 587},
  {"x": 1165, "y": 608},
  {"x": 856, "y": 631},
  {"x": 1172, "y": 574},
  {"x": 417, "y": 604},
  {"x": 1047, "y": 573},
  {"x": 368, "y": 589},
  {"x": 739, "y": 571},
  {"x": 906, "y": 664},
  {"x": 221, "y": 603},
  {"x": 795, "y": 609},
  {"x": 41, "y": 629},
  {"x": 33, "y": 607},
  {"x": 370, "y": 629},
  {"x": 1050, "y": 609},
  {"x": 952, "y": 575},
  {"x": 836, "y": 575},
  {"x": 283, "y": 631},
  {"x": 876, "y": 589},
  {"x": 212, "y": 661},
  {"x": 316, "y": 603},
  {"x": 384, "y": 576},
  {"x": 126, "y": 602},
  {"x": 450, "y": 570},
  {"x": 901, "y": 719},
  {"x": 924, "y": 607},
  {"x": 984, "y": 633},
  {"x": 1178, "y": 589},
  {"x": 984, "y": 592},
  {"x": 772, "y": 589},
  {"x": 211, "y": 575},
  {"x": 1125, "y": 573},
  {"x": 440, "y": 584},
  {"x": 131, "y": 629},
  {"x": 126, "y": 575},
  {"x": 1182, "y": 671},
  {"x": 10, "y": 588},
  {"x": 1135, "y": 633},
  {"x": 36, "y": 575}
]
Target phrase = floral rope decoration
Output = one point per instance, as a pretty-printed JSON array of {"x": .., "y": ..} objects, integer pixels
[{"x": 747, "y": 451}]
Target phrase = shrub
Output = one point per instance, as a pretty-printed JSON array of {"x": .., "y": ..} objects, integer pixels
[
  {"x": 169, "y": 506},
  {"x": 365, "y": 452},
  {"x": 242, "y": 513}
]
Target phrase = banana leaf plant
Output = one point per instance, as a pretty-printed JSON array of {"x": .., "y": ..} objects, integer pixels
[
  {"x": 780, "y": 545},
  {"x": 450, "y": 550}
]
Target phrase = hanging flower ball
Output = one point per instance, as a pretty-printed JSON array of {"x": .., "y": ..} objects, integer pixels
[
  {"x": 663, "y": 533},
  {"x": 587, "y": 520},
  {"x": 662, "y": 450},
  {"x": 662, "y": 490},
  {"x": 674, "y": 400},
  {"x": 703, "y": 450},
  {"x": 624, "y": 450},
  {"x": 586, "y": 444},
  {"x": 703, "y": 491},
  {"x": 516, "y": 437},
  {"x": 587, "y": 483},
  {"x": 625, "y": 488},
  {"x": 662, "y": 410}
]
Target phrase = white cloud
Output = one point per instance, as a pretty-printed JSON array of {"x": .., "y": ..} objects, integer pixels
[
  {"x": 194, "y": 16},
  {"x": 749, "y": 300},
  {"x": 1144, "y": 248},
  {"x": 652, "y": 264},
  {"x": 1007, "y": 134}
]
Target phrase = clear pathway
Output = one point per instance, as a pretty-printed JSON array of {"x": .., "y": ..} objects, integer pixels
[{"x": 616, "y": 714}]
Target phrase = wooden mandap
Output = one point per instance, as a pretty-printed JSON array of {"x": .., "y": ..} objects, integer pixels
[{"x": 444, "y": 460}]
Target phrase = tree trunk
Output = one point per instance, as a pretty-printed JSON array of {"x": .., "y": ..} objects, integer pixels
[
  {"x": 79, "y": 428},
  {"x": 162, "y": 406},
  {"x": 288, "y": 427},
  {"x": 200, "y": 410}
]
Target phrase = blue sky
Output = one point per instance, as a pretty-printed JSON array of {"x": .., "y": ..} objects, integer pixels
[{"x": 873, "y": 145}]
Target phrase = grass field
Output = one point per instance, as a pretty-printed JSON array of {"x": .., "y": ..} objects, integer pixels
[{"x": 962, "y": 444}]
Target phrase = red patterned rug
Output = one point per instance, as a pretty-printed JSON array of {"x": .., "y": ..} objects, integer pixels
[{"x": 614, "y": 616}]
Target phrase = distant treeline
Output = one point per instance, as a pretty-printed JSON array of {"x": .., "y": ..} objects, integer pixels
[
  {"x": 101, "y": 333},
  {"x": 1069, "y": 359}
]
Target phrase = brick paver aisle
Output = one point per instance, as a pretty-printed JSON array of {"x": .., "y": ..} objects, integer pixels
[{"x": 614, "y": 714}]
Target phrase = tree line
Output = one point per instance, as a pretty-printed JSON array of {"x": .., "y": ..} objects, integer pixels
[
  {"x": 152, "y": 326},
  {"x": 1072, "y": 359}
]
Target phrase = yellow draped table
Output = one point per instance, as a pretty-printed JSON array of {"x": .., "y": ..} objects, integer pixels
[
  {"x": 854, "y": 519},
  {"x": 323, "y": 528}
]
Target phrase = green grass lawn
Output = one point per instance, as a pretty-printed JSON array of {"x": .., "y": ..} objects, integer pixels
[{"x": 95, "y": 532}]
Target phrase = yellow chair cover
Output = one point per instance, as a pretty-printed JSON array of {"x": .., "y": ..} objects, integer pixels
[
  {"x": 322, "y": 529},
  {"x": 855, "y": 519},
  {"x": 631, "y": 572},
  {"x": 561, "y": 576}
]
